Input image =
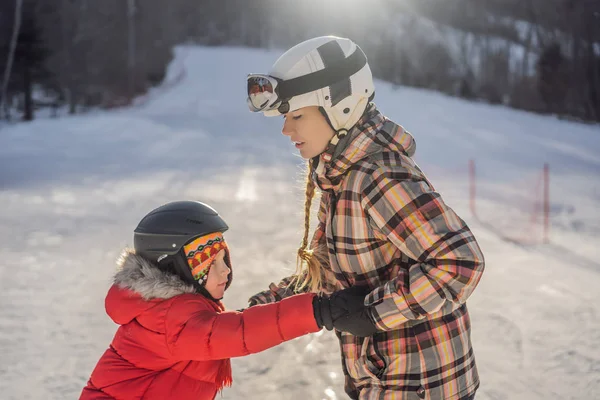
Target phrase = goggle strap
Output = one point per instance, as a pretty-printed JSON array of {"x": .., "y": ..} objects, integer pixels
[{"x": 322, "y": 78}]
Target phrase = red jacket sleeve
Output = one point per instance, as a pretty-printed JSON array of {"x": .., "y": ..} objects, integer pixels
[{"x": 208, "y": 335}]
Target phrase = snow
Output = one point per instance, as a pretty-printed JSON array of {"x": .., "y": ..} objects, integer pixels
[{"x": 72, "y": 190}]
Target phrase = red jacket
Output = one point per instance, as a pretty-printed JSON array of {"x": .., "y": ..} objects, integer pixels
[{"x": 176, "y": 344}]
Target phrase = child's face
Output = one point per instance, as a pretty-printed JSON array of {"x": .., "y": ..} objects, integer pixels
[{"x": 218, "y": 276}]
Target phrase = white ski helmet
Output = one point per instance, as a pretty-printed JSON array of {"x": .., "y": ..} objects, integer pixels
[{"x": 326, "y": 71}]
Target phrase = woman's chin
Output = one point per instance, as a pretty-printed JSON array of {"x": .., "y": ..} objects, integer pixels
[{"x": 307, "y": 154}]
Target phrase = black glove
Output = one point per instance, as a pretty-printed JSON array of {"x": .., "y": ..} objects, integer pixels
[
  {"x": 358, "y": 320},
  {"x": 329, "y": 309},
  {"x": 359, "y": 323},
  {"x": 323, "y": 313}
]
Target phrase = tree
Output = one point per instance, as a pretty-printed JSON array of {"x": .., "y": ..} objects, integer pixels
[
  {"x": 11, "y": 54},
  {"x": 26, "y": 65},
  {"x": 29, "y": 58},
  {"x": 552, "y": 83}
]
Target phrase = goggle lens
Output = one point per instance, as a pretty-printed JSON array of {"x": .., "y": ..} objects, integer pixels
[{"x": 261, "y": 92}]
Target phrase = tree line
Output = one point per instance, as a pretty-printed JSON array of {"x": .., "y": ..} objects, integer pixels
[{"x": 537, "y": 55}]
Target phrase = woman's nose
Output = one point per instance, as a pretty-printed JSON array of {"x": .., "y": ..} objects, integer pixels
[{"x": 287, "y": 128}]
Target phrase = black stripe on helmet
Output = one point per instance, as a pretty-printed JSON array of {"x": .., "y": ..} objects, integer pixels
[
  {"x": 327, "y": 76},
  {"x": 332, "y": 54}
]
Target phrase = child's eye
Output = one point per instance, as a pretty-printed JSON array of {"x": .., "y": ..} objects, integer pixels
[{"x": 297, "y": 117}]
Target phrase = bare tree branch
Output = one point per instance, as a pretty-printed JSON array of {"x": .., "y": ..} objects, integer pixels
[{"x": 11, "y": 54}]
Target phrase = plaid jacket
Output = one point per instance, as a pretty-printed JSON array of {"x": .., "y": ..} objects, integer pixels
[{"x": 386, "y": 227}]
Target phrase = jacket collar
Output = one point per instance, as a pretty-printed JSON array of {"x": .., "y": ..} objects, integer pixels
[{"x": 366, "y": 138}]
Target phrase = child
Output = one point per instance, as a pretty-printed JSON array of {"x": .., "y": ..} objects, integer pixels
[{"x": 175, "y": 339}]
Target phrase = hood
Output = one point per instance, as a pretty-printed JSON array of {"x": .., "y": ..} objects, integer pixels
[
  {"x": 373, "y": 134},
  {"x": 138, "y": 286}
]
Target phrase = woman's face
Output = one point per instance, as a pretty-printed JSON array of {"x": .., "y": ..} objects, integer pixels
[
  {"x": 218, "y": 275},
  {"x": 308, "y": 130}
]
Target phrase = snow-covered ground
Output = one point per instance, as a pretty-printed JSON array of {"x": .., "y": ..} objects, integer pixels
[{"x": 73, "y": 189}]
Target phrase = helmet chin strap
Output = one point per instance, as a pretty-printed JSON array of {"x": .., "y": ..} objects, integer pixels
[
  {"x": 337, "y": 144},
  {"x": 341, "y": 135},
  {"x": 335, "y": 147},
  {"x": 339, "y": 140}
]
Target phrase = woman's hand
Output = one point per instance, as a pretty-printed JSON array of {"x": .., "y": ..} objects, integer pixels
[
  {"x": 359, "y": 323},
  {"x": 345, "y": 311}
]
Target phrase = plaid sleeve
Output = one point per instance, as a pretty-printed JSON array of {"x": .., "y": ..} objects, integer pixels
[
  {"x": 448, "y": 262},
  {"x": 273, "y": 293}
]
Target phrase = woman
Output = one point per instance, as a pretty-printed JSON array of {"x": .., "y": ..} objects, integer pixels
[{"x": 385, "y": 229}]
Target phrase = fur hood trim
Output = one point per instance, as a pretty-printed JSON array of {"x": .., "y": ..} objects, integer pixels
[{"x": 141, "y": 276}]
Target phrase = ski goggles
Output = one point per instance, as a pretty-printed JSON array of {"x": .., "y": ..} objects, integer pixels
[{"x": 263, "y": 93}]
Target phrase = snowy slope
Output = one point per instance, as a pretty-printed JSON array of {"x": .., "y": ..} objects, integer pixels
[{"x": 73, "y": 189}]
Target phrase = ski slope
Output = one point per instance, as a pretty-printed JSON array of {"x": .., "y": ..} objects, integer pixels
[{"x": 72, "y": 190}]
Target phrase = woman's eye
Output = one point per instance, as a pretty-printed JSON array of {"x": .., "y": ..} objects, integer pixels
[{"x": 297, "y": 117}]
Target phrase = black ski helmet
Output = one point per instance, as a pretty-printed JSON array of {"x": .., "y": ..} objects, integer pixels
[{"x": 162, "y": 233}]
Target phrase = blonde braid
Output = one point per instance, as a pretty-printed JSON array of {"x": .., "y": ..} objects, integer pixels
[{"x": 308, "y": 268}]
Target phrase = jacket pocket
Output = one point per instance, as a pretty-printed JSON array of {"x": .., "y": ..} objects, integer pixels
[{"x": 364, "y": 366}]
